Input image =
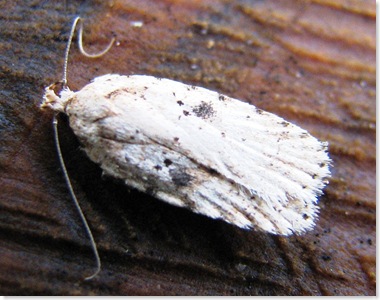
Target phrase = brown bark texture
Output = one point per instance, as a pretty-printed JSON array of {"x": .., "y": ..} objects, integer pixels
[{"x": 311, "y": 62}]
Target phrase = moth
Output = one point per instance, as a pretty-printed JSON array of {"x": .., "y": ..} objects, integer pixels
[{"x": 199, "y": 149}]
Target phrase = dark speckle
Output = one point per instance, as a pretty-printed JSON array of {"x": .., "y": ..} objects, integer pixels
[
  {"x": 176, "y": 139},
  {"x": 158, "y": 167},
  {"x": 222, "y": 97},
  {"x": 186, "y": 113},
  {"x": 116, "y": 93},
  {"x": 305, "y": 216},
  {"x": 167, "y": 162},
  {"x": 212, "y": 171},
  {"x": 180, "y": 103},
  {"x": 204, "y": 110},
  {"x": 284, "y": 123},
  {"x": 369, "y": 242},
  {"x": 180, "y": 177},
  {"x": 259, "y": 111}
]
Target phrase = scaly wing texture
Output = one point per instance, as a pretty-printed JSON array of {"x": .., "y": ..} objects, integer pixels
[{"x": 196, "y": 148}]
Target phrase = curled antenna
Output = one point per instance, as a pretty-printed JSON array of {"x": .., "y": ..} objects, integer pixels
[
  {"x": 80, "y": 46},
  {"x": 57, "y": 144}
]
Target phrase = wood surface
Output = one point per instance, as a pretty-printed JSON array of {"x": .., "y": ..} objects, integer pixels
[{"x": 310, "y": 62}]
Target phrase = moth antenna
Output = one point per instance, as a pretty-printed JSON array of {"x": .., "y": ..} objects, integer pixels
[
  {"x": 56, "y": 137},
  {"x": 68, "y": 46},
  {"x": 80, "y": 46},
  {"x": 75, "y": 200}
]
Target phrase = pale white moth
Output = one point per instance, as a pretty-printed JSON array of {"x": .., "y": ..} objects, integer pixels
[{"x": 196, "y": 148}]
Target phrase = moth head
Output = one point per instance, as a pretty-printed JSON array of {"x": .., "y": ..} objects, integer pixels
[{"x": 56, "y": 97}]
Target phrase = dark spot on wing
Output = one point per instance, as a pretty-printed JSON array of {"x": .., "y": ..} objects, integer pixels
[
  {"x": 204, "y": 110},
  {"x": 284, "y": 123},
  {"x": 180, "y": 177},
  {"x": 167, "y": 162},
  {"x": 117, "y": 92},
  {"x": 212, "y": 171}
]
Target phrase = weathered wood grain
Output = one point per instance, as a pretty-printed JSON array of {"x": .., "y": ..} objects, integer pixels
[{"x": 311, "y": 62}]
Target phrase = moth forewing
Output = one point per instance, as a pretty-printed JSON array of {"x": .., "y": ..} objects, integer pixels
[{"x": 195, "y": 148}]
